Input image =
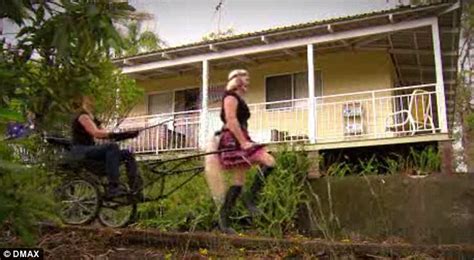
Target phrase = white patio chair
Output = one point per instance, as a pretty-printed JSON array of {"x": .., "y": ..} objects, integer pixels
[{"x": 417, "y": 117}]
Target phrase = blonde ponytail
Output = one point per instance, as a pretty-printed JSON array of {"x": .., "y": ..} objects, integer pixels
[{"x": 213, "y": 172}]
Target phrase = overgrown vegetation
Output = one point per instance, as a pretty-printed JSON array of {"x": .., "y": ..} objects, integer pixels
[
  {"x": 212, "y": 36},
  {"x": 24, "y": 193},
  {"x": 61, "y": 52},
  {"x": 325, "y": 222},
  {"x": 191, "y": 208},
  {"x": 415, "y": 162},
  {"x": 283, "y": 194}
]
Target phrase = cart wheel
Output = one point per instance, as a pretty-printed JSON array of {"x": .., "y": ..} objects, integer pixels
[
  {"x": 79, "y": 202},
  {"x": 117, "y": 213}
]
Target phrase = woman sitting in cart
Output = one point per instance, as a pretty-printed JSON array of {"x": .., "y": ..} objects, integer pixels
[
  {"x": 84, "y": 129},
  {"x": 240, "y": 151}
]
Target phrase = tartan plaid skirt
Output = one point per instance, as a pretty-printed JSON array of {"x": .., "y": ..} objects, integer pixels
[{"x": 239, "y": 157}]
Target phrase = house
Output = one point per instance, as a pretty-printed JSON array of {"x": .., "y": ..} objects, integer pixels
[{"x": 373, "y": 79}]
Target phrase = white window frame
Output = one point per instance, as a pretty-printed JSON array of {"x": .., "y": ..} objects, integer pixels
[
  {"x": 173, "y": 91},
  {"x": 292, "y": 87},
  {"x": 147, "y": 100}
]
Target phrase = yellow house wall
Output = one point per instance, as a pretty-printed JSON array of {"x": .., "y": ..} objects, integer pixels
[{"x": 343, "y": 72}]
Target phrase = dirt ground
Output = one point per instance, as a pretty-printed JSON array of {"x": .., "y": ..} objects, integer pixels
[
  {"x": 76, "y": 245},
  {"x": 92, "y": 243}
]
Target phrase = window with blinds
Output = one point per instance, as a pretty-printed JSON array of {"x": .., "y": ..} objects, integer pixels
[
  {"x": 160, "y": 103},
  {"x": 290, "y": 87}
]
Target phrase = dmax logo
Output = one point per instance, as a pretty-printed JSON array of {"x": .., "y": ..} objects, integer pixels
[{"x": 21, "y": 254}]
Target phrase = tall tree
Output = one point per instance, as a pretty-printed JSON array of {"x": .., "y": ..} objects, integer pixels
[
  {"x": 60, "y": 52},
  {"x": 63, "y": 51},
  {"x": 137, "y": 42}
]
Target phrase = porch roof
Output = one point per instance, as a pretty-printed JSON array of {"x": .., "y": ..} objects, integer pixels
[
  {"x": 411, "y": 50},
  {"x": 277, "y": 34}
]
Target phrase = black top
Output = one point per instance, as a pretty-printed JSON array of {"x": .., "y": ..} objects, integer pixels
[
  {"x": 79, "y": 134},
  {"x": 243, "y": 112}
]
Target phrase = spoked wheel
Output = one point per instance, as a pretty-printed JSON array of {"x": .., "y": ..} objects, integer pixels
[
  {"x": 118, "y": 212},
  {"x": 79, "y": 201}
]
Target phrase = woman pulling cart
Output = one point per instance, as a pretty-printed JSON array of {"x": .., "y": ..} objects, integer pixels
[{"x": 239, "y": 151}]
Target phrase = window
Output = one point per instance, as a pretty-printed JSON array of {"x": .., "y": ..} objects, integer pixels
[
  {"x": 186, "y": 100},
  {"x": 216, "y": 92},
  {"x": 290, "y": 87},
  {"x": 160, "y": 103},
  {"x": 182, "y": 100},
  {"x": 279, "y": 88}
]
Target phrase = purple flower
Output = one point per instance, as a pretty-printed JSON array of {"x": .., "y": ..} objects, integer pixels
[{"x": 16, "y": 130}]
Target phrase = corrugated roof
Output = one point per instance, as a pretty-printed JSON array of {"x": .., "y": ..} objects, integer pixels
[{"x": 291, "y": 27}]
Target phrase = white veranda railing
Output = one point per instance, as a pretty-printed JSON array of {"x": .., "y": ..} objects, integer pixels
[{"x": 343, "y": 117}]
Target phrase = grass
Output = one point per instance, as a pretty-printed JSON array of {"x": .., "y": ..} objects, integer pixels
[
  {"x": 191, "y": 207},
  {"x": 419, "y": 162}
]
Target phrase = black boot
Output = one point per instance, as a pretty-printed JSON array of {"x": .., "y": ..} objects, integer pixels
[
  {"x": 115, "y": 190},
  {"x": 230, "y": 199},
  {"x": 136, "y": 189},
  {"x": 135, "y": 181},
  {"x": 252, "y": 195}
]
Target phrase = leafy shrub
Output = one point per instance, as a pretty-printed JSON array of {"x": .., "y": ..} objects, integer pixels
[
  {"x": 394, "y": 163},
  {"x": 425, "y": 161},
  {"x": 24, "y": 200},
  {"x": 339, "y": 169},
  {"x": 370, "y": 166},
  {"x": 191, "y": 207},
  {"x": 470, "y": 120},
  {"x": 283, "y": 194}
]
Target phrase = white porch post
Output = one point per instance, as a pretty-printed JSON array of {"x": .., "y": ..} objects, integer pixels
[
  {"x": 440, "y": 96},
  {"x": 204, "y": 111},
  {"x": 311, "y": 96},
  {"x": 117, "y": 106}
]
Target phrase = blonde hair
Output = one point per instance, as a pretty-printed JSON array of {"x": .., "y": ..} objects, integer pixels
[
  {"x": 213, "y": 172},
  {"x": 233, "y": 78},
  {"x": 77, "y": 103}
]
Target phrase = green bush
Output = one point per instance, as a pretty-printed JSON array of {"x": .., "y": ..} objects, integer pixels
[
  {"x": 24, "y": 199},
  {"x": 370, "y": 166},
  {"x": 187, "y": 209},
  {"x": 470, "y": 120},
  {"x": 425, "y": 161},
  {"x": 283, "y": 194},
  {"x": 191, "y": 207},
  {"x": 339, "y": 169},
  {"x": 394, "y": 163}
]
